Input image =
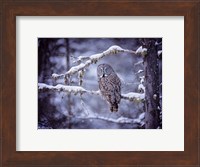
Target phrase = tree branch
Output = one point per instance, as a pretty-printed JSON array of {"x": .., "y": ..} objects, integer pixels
[
  {"x": 96, "y": 57},
  {"x": 138, "y": 63},
  {"x": 121, "y": 119},
  {"x": 80, "y": 90}
]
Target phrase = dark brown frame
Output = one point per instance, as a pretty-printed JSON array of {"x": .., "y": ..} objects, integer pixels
[{"x": 11, "y": 8}]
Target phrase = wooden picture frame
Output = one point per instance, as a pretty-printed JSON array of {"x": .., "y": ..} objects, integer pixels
[{"x": 189, "y": 9}]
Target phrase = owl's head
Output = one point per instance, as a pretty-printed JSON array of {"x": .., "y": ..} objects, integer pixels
[{"x": 104, "y": 70}]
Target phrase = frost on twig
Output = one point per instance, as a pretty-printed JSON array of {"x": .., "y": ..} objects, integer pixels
[
  {"x": 87, "y": 61},
  {"x": 80, "y": 90}
]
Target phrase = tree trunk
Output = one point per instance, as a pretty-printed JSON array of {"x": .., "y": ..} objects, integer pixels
[{"x": 152, "y": 94}]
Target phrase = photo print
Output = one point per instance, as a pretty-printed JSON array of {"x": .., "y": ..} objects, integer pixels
[{"x": 99, "y": 83}]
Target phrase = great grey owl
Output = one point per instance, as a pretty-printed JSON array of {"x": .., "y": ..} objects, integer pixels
[{"x": 109, "y": 85}]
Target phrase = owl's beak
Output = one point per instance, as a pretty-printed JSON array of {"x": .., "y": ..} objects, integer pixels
[
  {"x": 104, "y": 72},
  {"x": 103, "y": 75}
]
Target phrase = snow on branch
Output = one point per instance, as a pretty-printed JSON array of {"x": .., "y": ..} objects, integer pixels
[
  {"x": 132, "y": 96},
  {"x": 139, "y": 71},
  {"x": 158, "y": 43},
  {"x": 141, "y": 51},
  {"x": 121, "y": 119},
  {"x": 96, "y": 57},
  {"x": 159, "y": 52},
  {"x": 138, "y": 63},
  {"x": 63, "y": 88},
  {"x": 80, "y": 90}
]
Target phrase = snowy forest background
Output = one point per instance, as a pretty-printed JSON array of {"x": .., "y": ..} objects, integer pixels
[{"x": 59, "y": 109}]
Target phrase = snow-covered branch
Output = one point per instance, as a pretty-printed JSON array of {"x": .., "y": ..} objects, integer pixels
[
  {"x": 68, "y": 89},
  {"x": 141, "y": 87},
  {"x": 121, "y": 119},
  {"x": 138, "y": 63},
  {"x": 80, "y": 90},
  {"x": 158, "y": 43},
  {"x": 87, "y": 61},
  {"x": 141, "y": 51},
  {"x": 132, "y": 96},
  {"x": 139, "y": 71}
]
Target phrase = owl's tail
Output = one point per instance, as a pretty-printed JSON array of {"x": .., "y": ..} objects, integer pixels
[{"x": 114, "y": 107}]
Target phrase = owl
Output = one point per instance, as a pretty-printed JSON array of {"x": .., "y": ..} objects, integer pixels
[{"x": 109, "y": 85}]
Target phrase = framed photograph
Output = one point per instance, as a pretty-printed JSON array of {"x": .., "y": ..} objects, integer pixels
[
  {"x": 114, "y": 85},
  {"x": 92, "y": 93}
]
